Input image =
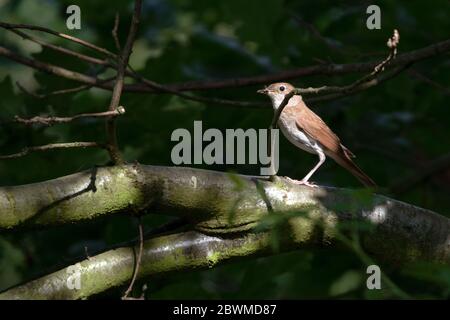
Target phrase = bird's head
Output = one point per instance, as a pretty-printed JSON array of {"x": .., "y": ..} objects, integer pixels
[{"x": 277, "y": 92}]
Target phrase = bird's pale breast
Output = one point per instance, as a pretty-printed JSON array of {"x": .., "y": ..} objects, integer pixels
[{"x": 296, "y": 136}]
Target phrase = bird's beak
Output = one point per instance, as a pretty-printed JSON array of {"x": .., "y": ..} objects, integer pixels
[{"x": 263, "y": 91}]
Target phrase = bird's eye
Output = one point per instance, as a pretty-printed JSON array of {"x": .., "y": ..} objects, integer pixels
[{"x": 282, "y": 88}]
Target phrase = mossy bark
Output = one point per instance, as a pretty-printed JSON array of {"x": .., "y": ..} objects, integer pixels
[{"x": 223, "y": 210}]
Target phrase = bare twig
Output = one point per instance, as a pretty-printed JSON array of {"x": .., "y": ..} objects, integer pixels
[
  {"x": 53, "y": 146},
  {"x": 392, "y": 45},
  {"x": 53, "y": 69},
  {"x": 137, "y": 262},
  {"x": 164, "y": 89},
  {"x": 102, "y": 62},
  {"x": 60, "y": 49},
  {"x": 131, "y": 73},
  {"x": 59, "y": 92},
  {"x": 146, "y": 85},
  {"x": 323, "y": 69},
  {"x": 277, "y": 113},
  {"x": 107, "y": 63},
  {"x": 161, "y": 88},
  {"x": 86, "y": 44},
  {"x": 114, "y": 32},
  {"x": 122, "y": 64},
  {"x": 362, "y": 87},
  {"x": 363, "y": 83},
  {"x": 274, "y": 123},
  {"x": 48, "y": 121}
]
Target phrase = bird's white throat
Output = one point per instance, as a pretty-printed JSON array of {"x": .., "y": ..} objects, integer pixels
[{"x": 277, "y": 99}]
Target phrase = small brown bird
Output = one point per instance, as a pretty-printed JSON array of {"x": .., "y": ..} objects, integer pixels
[{"x": 306, "y": 130}]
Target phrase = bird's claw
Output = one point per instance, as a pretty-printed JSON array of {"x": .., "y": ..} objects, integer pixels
[
  {"x": 309, "y": 184},
  {"x": 302, "y": 182}
]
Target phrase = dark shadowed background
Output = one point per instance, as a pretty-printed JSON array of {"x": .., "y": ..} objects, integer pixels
[{"x": 397, "y": 129}]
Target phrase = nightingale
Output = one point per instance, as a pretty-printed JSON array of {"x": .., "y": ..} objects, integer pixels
[{"x": 307, "y": 131}]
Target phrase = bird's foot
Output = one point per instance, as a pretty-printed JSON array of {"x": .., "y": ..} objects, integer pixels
[{"x": 302, "y": 182}]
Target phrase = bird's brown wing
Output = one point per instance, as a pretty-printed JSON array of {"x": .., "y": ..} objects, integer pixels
[
  {"x": 313, "y": 126},
  {"x": 310, "y": 123}
]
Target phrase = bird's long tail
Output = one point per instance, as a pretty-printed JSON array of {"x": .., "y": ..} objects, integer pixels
[{"x": 348, "y": 164}]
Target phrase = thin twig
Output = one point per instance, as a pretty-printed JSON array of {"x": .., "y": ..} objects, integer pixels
[
  {"x": 392, "y": 45},
  {"x": 48, "y": 121},
  {"x": 277, "y": 113},
  {"x": 149, "y": 86},
  {"x": 60, "y": 49},
  {"x": 361, "y": 84},
  {"x": 137, "y": 262},
  {"x": 102, "y": 62},
  {"x": 274, "y": 122},
  {"x": 86, "y": 44},
  {"x": 323, "y": 69},
  {"x": 122, "y": 64},
  {"x": 60, "y": 92},
  {"x": 114, "y": 32},
  {"x": 53, "y": 69},
  {"x": 362, "y": 87},
  {"x": 165, "y": 89},
  {"x": 53, "y": 146}
]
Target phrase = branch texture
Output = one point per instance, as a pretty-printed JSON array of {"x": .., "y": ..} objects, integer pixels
[{"x": 206, "y": 199}]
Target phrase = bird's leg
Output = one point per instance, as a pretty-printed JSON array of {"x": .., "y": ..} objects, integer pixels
[{"x": 305, "y": 181}]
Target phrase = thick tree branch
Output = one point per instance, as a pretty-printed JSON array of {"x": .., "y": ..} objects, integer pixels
[
  {"x": 206, "y": 198},
  {"x": 114, "y": 268},
  {"x": 403, "y": 234}
]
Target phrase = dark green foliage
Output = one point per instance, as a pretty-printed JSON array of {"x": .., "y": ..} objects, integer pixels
[{"x": 395, "y": 129}]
